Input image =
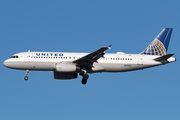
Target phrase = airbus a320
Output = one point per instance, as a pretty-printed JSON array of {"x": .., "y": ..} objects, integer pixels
[{"x": 67, "y": 65}]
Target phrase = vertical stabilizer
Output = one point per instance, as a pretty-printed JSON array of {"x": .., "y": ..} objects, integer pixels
[{"x": 159, "y": 45}]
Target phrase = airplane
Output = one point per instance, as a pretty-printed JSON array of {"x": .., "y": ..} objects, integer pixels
[{"x": 67, "y": 65}]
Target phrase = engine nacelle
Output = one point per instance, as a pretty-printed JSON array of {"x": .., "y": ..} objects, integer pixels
[
  {"x": 65, "y": 67},
  {"x": 64, "y": 75}
]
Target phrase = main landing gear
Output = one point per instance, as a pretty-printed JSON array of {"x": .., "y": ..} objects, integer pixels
[
  {"x": 84, "y": 80},
  {"x": 26, "y": 77},
  {"x": 85, "y": 76}
]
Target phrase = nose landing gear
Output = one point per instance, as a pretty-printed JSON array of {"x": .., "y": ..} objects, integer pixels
[{"x": 26, "y": 77}]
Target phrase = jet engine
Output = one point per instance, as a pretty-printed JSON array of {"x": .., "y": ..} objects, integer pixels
[
  {"x": 65, "y": 67},
  {"x": 64, "y": 75},
  {"x": 65, "y": 70}
]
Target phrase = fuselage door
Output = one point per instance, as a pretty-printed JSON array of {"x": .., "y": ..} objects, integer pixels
[
  {"x": 26, "y": 57},
  {"x": 140, "y": 59}
]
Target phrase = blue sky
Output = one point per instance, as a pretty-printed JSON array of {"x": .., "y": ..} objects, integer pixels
[{"x": 85, "y": 26}]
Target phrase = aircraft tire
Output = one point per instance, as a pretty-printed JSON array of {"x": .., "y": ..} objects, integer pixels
[
  {"x": 84, "y": 81},
  {"x": 26, "y": 78},
  {"x": 86, "y": 76}
]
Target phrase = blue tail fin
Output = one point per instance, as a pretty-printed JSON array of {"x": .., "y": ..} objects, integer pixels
[{"x": 159, "y": 45}]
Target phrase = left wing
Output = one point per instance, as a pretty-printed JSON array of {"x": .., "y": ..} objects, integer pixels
[{"x": 92, "y": 57}]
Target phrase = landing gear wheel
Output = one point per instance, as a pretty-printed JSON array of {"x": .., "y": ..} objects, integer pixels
[
  {"x": 86, "y": 76},
  {"x": 84, "y": 81},
  {"x": 26, "y": 78}
]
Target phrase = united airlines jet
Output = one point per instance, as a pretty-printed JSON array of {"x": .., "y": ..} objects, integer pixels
[{"x": 66, "y": 65}]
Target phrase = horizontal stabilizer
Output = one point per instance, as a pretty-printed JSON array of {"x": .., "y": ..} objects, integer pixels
[{"x": 165, "y": 57}]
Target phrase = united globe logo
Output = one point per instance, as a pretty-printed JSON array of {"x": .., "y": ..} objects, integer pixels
[{"x": 155, "y": 48}]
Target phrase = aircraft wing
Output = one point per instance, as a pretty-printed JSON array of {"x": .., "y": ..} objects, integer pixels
[{"x": 92, "y": 57}]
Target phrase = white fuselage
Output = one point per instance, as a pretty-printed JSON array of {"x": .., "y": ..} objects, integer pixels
[
  {"x": 119, "y": 62},
  {"x": 68, "y": 65}
]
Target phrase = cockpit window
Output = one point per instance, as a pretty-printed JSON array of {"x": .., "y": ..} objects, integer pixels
[{"x": 14, "y": 56}]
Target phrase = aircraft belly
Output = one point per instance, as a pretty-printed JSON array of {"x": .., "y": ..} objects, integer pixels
[{"x": 122, "y": 67}]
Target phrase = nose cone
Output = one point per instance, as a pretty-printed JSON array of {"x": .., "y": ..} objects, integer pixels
[{"x": 5, "y": 63}]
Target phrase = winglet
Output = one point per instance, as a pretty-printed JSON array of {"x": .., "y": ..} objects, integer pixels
[{"x": 109, "y": 47}]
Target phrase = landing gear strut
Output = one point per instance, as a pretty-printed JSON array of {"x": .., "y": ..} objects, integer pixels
[
  {"x": 84, "y": 75},
  {"x": 26, "y": 77}
]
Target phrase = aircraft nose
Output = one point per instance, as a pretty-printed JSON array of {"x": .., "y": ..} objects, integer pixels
[{"x": 6, "y": 63}]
